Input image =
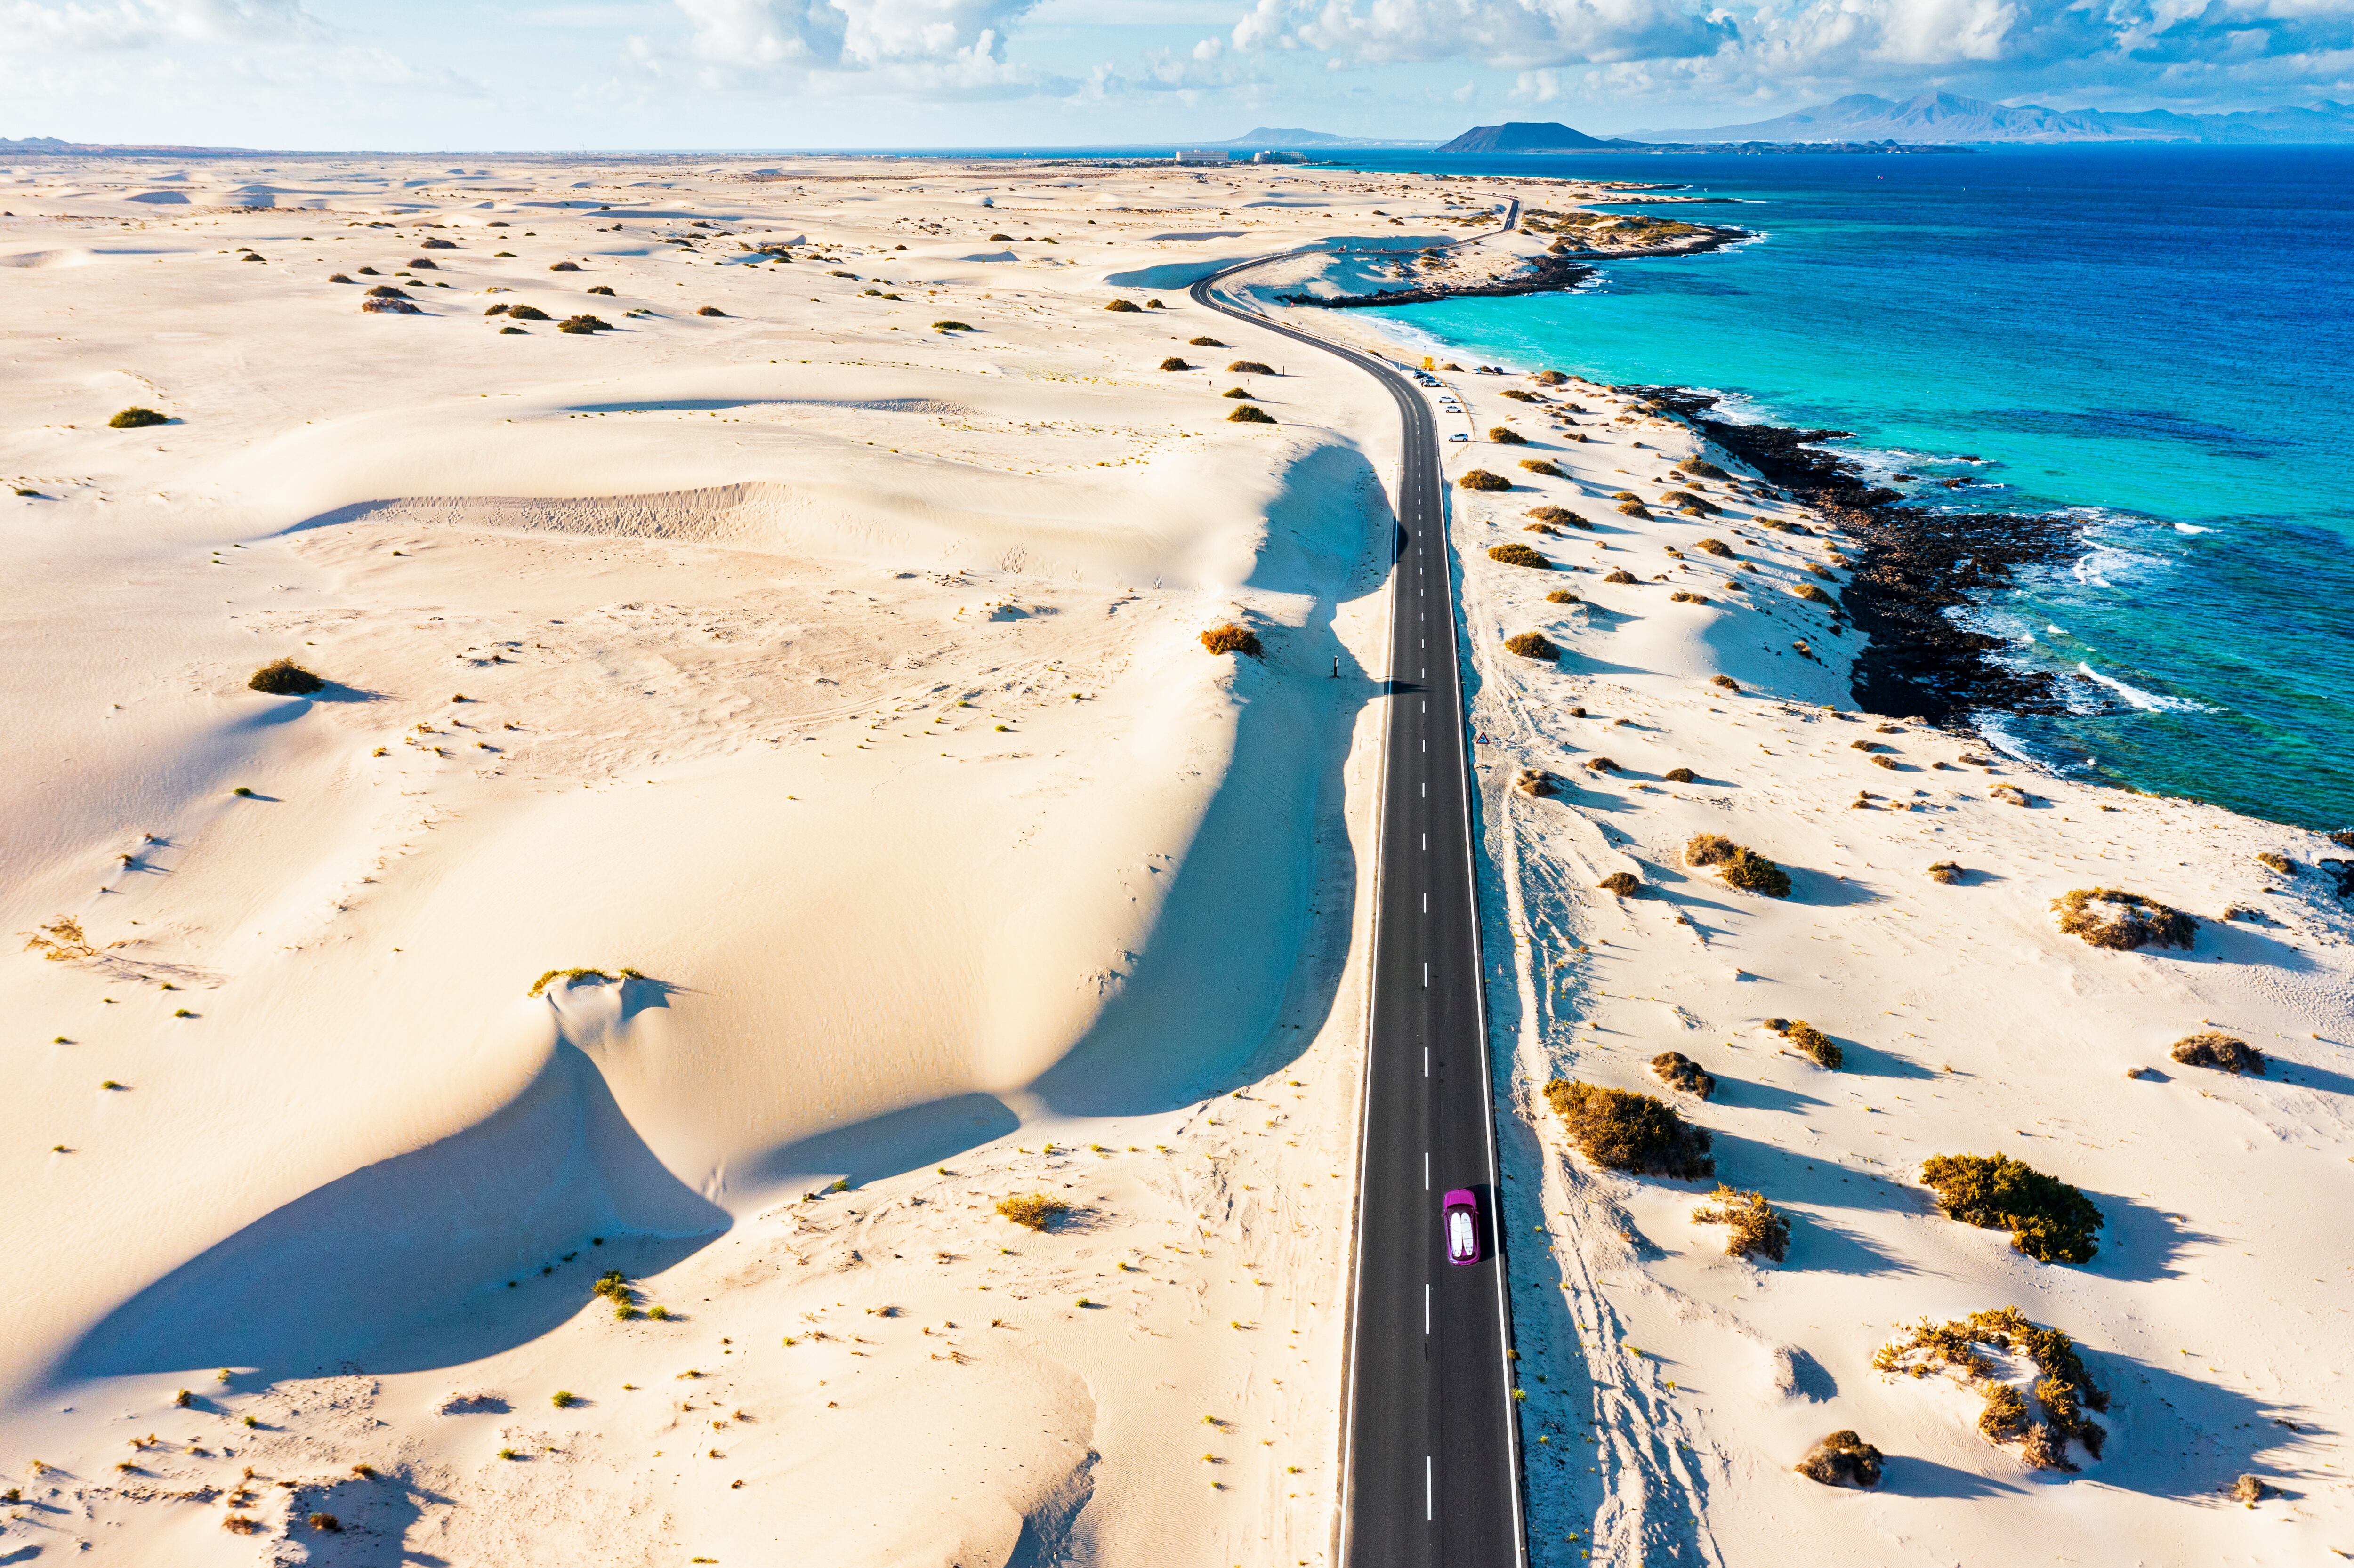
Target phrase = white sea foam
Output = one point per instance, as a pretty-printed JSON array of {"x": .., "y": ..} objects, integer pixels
[
  {"x": 2192, "y": 528},
  {"x": 2148, "y": 702}
]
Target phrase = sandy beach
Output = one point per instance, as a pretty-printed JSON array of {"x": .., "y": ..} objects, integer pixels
[{"x": 547, "y": 1093}]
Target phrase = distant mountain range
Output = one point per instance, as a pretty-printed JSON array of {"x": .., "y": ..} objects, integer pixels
[{"x": 1934, "y": 117}]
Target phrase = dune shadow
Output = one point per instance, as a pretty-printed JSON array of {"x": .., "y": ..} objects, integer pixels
[
  {"x": 1907, "y": 1476},
  {"x": 2174, "y": 1435},
  {"x": 2305, "y": 1075},
  {"x": 444, "y": 1255},
  {"x": 1822, "y": 890},
  {"x": 1748, "y": 1093},
  {"x": 2231, "y": 943},
  {"x": 889, "y": 1145},
  {"x": 338, "y": 692},
  {"x": 2138, "y": 1242},
  {"x": 1872, "y": 1062},
  {"x": 1202, "y": 999}
]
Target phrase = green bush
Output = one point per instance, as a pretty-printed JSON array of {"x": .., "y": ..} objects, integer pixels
[
  {"x": 284, "y": 678},
  {"x": 1634, "y": 509},
  {"x": 709, "y": 310},
  {"x": 1250, "y": 414},
  {"x": 528, "y": 313},
  {"x": 2048, "y": 1220},
  {"x": 1701, "y": 469},
  {"x": 1033, "y": 1210},
  {"x": 1714, "y": 547},
  {"x": 1673, "y": 1068},
  {"x": 1540, "y": 465},
  {"x": 1741, "y": 867},
  {"x": 1249, "y": 368},
  {"x": 135, "y": 419},
  {"x": 1519, "y": 554},
  {"x": 1125, "y": 306},
  {"x": 1622, "y": 1130},
  {"x": 1173, "y": 363},
  {"x": 1561, "y": 595},
  {"x": 1480, "y": 479},
  {"x": 1505, "y": 436},
  {"x": 950, "y": 326},
  {"x": 581, "y": 324},
  {"x": 1824, "y": 1050},
  {"x": 1532, "y": 645},
  {"x": 1203, "y": 343}
]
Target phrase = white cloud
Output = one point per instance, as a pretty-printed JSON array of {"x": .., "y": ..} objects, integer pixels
[
  {"x": 1516, "y": 35},
  {"x": 29, "y": 25}
]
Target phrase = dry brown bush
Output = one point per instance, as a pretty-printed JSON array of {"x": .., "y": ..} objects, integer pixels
[
  {"x": 1842, "y": 1459},
  {"x": 284, "y": 678},
  {"x": 1946, "y": 871},
  {"x": 2064, "y": 1391},
  {"x": 2113, "y": 917},
  {"x": 1621, "y": 576},
  {"x": 1538, "y": 465},
  {"x": 1561, "y": 595},
  {"x": 1519, "y": 554},
  {"x": 1809, "y": 1040},
  {"x": 1532, "y": 645},
  {"x": 1678, "y": 775},
  {"x": 1715, "y": 547},
  {"x": 1480, "y": 479},
  {"x": 1249, "y": 368},
  {"x": 1679, "y": 1071},
  {"x": 2210, "y": 1048},
  {"x": 1231, "y": 639},
  {"x": 1250, "y": 414},
  {"x": 1505, "y": 436},
  {"x": 1625, "y": 883},
  {"x": 1033, "y": 1211}
]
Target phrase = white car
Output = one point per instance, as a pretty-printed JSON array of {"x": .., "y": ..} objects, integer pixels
[{"x": 1459, "y": 436}]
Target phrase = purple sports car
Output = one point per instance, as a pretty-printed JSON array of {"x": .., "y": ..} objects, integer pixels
[{"x": 1461, "y": 1213}]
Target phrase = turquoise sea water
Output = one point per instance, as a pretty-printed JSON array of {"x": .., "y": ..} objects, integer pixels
[{"x": 2157, "y": 340}]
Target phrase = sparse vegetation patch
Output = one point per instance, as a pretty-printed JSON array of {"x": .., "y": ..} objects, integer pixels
[
  {"x": 1480, "y": 479},
  {"x": 1679, "y": 1071},
  {"x": 1741, "y": 866},
  {"x": 2064, "y": 1392},
  {"x": 284, "y": 678},
  {"x": 1033, "y": 1210},
  {"x": 1231, "y": 639},
  {"x": 1532, "y": 645},
  {"x": 134, "y": 418},
  {"x": 1519, "y": 554}
]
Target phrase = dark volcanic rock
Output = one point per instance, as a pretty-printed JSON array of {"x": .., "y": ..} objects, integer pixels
[{"x": 1913, "y": 568}]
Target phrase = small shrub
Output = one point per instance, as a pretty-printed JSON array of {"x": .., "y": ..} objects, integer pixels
[
  {"x": 1622, "y": 1130},
  {"x": 284, "y": 678},
  {"x": 2272, "y": 861},
  {"x": 1813, "y": 594},
  {"x": 1679, "y": 1071},
  {"x": 951, "y": 326},
  {"x": 135, "y": 419},
  {"x": 1812, "y": 1042},
  {"x": 326, "y": 1522},
  {"x": 1600, "y": 764},
  {"x": 1173, "y": 363},
  {"x": 393, "y": 304},
  {"x": 1561, "y": 595},
  {"x": 1621, "y": 576},
  {"x": 1536, "y": 781},
  {"x": 1841, "y": 1459},
  {"x": 1701, "y": 469},
  {"x": 1625, "y": 883},
  {"x": 709, "y": 310},
  {"x": 1204, "y": 342},
  {"x": 1033, "y": 1210},
  {"x": 1532, "y": 645},
  {"x": 498, "y": 310},
  {"x": 1726, "y": 681},
  {"x": 563, "y": 1399},
  {"x": 1249, "y": 368},
  {"x": 601, "y": 289},
  {"x": 2048, "y": 1220},
  {"x": 242, "y": 1524},
  {"x": 1250, "y": 414},
  {"x": 2249, "y": 1490},
  {"x": 1715, "y": 547},
  {"x": 1231, "y": 639},
  {"x": 1759, "y": 1229},
  {"x": 2220, "y": 1052},
  {"x": 1678, "y": 775},
  {"x": 570, "y": 977},
  {"x": 1480, "y": 479},
  {"x": 1634, "y": 509},
  {"x": 583, "y": 324},
  {"x": 566, "y": 267},
  {"x": 658, "y": 1314},
  {"x": 61, "y": 941},
  {"x": 528, "y": 313},
  {"x": 1505, "y": 436},
  {"x": 2112, "y": 918},
  {"x": 1740, "y": 866},
  {"x": 1542, "y": 466},
  {"x": 1557, "y": 514},
  {"x": 1233, "y": 392},
  {"x": 513, "y": 331},
  {"x": 1683, "y": 597},
  {"x": 338, "y": 278},
  {"x": 1519, "y": 554},
  {"x": 1127, "y": 307}
]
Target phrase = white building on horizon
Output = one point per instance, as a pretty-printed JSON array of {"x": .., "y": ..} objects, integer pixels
[{"x": 1204, "y": 155}]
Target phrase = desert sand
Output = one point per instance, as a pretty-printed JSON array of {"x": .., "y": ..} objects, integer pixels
[{"x": 819, "y": 679}]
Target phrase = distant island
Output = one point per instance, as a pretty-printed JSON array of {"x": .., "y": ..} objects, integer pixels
[{"x": 1524, "y": 136}]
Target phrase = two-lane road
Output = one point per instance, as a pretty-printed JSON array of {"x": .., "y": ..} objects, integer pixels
[{"x": 1431, "y": 1468}]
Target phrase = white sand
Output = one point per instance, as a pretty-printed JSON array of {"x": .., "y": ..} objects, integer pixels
[{"x": 718, "y": 592}]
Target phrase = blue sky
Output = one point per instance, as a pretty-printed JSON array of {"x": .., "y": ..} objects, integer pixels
[{"x": 435, "y": 74}]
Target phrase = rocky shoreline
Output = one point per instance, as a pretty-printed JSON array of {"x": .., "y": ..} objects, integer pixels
[
  {"x": 1546, "y": 274},
  {"x": 1914, "y": 566}
]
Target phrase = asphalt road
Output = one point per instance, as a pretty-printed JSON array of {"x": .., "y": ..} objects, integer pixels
[{"x": 1431, "y": 1467}]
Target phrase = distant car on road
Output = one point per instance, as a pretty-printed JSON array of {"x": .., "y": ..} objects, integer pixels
[
  {"x": 1461, "y": 1211},
  {"x": 1459, "y": 436}
]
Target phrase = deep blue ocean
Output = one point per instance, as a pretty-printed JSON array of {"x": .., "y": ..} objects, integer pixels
[{"x": 2159, "y": 341}]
